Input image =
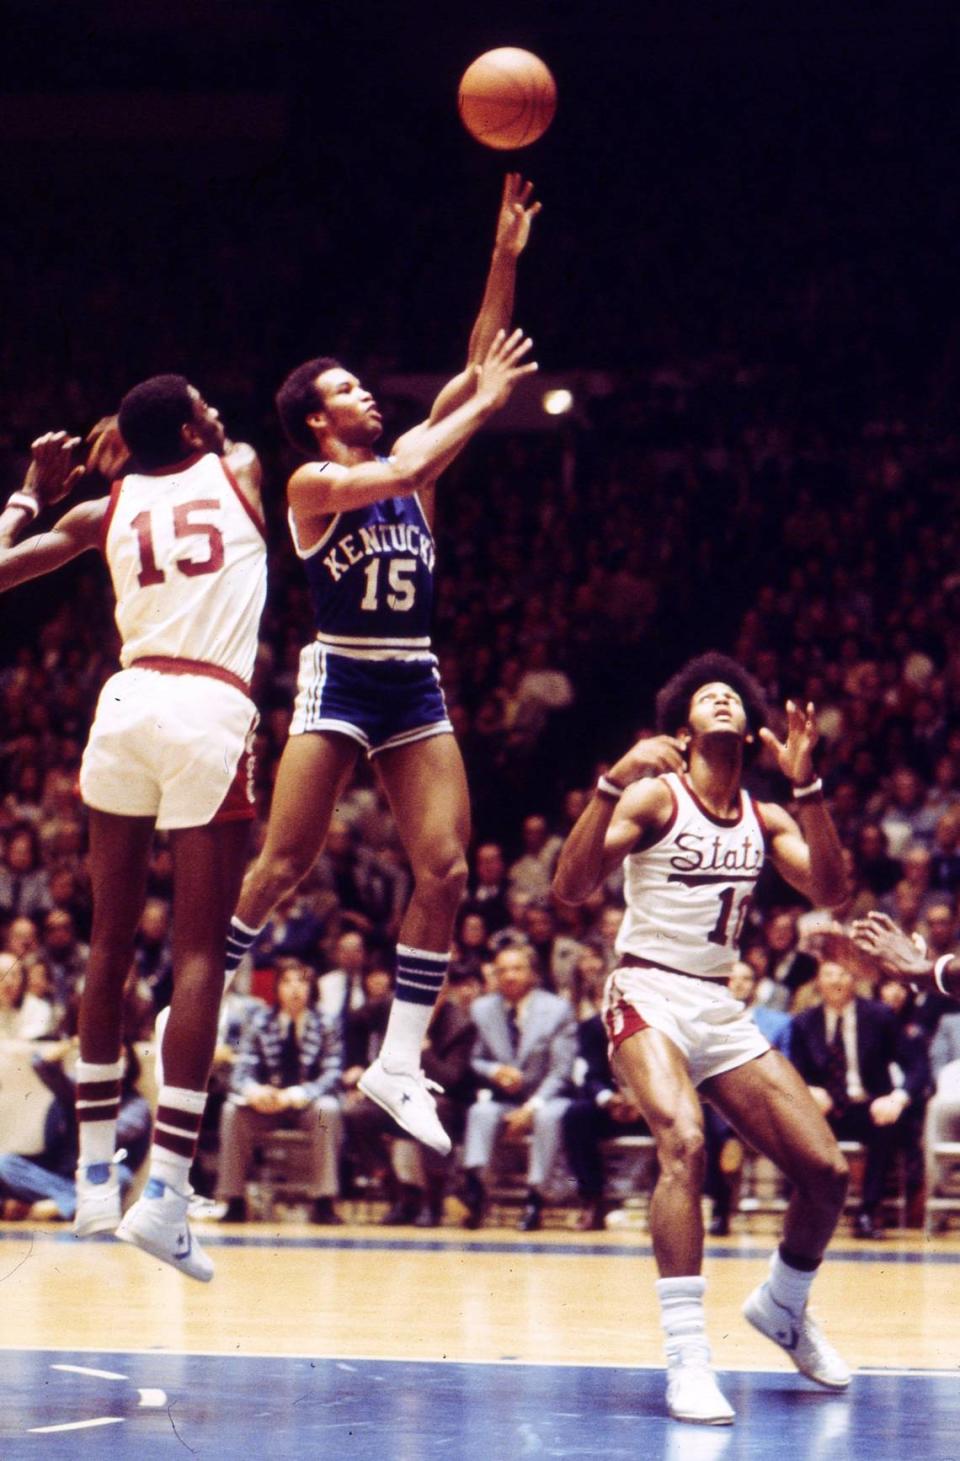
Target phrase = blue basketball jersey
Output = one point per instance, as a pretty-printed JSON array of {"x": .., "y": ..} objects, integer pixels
[{"x": 371, "y": 581}]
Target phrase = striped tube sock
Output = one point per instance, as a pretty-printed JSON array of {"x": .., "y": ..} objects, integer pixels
[
  {"x": 98, "y": 1105},
  {"x": 240, "y": 940},
  {"x": 420, "y": 976},
  {"x": 179, "y": 1113}
]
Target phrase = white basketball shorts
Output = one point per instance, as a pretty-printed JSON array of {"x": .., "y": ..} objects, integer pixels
[
  {"x": 174, "y": 747},
  {"x": 712, "y": 1030}
]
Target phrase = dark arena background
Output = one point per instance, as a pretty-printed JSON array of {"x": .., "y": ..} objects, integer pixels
[{"x": 745, "y": 278}]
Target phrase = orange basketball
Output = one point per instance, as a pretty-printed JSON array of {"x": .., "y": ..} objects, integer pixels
[{"x": 507, "y": 98}]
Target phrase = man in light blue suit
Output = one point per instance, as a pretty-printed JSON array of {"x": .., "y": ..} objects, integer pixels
[{"x": 525, "y": 1046}]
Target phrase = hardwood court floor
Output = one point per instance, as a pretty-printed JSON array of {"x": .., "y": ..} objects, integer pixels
[{"x": 547, "y": 1338}]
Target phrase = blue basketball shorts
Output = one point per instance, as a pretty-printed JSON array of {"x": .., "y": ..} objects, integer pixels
[{"x": 380, "y": 703}]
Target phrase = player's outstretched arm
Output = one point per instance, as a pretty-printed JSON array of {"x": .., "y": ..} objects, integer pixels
[
  {"x": 905, "y": 956},
  {"x": 50, "y": 476},
  {"x": 514, "y": 220},
  {"x": 318, "y": 489},
  {"x": 807, "y": 855},
  {"x": 625, "y": 803}
]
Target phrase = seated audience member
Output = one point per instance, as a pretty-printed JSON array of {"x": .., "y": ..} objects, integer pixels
[
  {"x": 292, "y": 931},
  {"x": 471, "y": 945},
  {"x": 153, "y": 952},
  {"x": 21, "y": 937},
  {"x": 362, "y": 884},
  {"x": 44, "y": 1184},
  {"x": 364, "y": 1030},
  {"x": 586, "y": 991},
  {"x": 286, "y": 1076},
  {"x": 597, "y": 1111},
  {"x": 65, "y": 953},
  {"x": 24, "y": 882},
  {"x": 523, "y": 1056},
  {"x": 341, "y": 987},
  {"x": 943, "y": 1109},
  {"x": 415, "y": 1173},
  {"x": 46, "y": 1021},
  {"x": 556, "y": 953},
  {"x": 23, "y": 1016},
  {"x": 844, "y": 1049},
  {"x": 489, "y": 887},
  {"x": 724, "y": 1152},
  {"x": 900, "y": 998},
  {"x": 532, "y": 872}
]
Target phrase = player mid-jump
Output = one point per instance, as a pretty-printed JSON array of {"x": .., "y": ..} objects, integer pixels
[
  {"x": 362, "y": 524},
  {"x": 693, "y": 842}
]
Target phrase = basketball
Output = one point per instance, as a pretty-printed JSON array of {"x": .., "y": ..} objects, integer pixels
[{"x": 507, "y": 98}]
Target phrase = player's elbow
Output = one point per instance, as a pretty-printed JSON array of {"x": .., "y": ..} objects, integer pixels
[{"x": 411, "y": 471}]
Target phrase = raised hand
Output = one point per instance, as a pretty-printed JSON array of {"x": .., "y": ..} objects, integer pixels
[
  {"x": 52, "y": 470},
  {"x": 899, "y": 953},
  {"x": 107, "y": 451},
  {"x": 516, "y": 215},
  {"x": 504, "y": 365},
  {"x": 650, "y": 756},
  {"x": 794, "y": 756}
]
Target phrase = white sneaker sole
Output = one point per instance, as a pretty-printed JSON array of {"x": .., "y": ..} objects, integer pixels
[
  {"x": 127, "y": 1233},
  {"x": 435, "y": 1144}
]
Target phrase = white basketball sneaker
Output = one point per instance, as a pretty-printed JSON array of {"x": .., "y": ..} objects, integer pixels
[
  {"x": 692, "y": 1390},
  {"x": 799, "y": 1336},
  {"x": 157, "y": 1223},
  {"x": 406, "y": 1097},
  {"x": 98, "y": 1200}
]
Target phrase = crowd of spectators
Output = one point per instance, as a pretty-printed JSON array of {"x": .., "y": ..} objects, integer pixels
[{"x": 773, "y": 470}]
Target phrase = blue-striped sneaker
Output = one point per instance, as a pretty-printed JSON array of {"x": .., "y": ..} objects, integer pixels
[
  {"x": 157, "y": 1223},
  {"x": 98, "y": 1200}
]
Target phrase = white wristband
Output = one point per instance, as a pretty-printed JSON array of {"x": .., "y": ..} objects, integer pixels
[
  {"x": 25, "y": 502},
  {"x": 811, "y": 789},
  {"x": 939, "y": 969},
  {"x": 606, "y": 787}
]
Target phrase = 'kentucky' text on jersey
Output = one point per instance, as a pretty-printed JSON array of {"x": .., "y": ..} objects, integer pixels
[{"x": 371, "y": 580}]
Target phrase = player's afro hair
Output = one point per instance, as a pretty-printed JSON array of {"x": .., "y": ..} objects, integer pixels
[
  {"x": 299, "y": 396},
  {"x": 673, "y": 701},
  {"x": 151, "y": 418}
]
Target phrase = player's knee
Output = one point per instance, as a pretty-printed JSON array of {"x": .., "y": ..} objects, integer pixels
[
  {"x": 832, "y": 1179},
  {"x": 682, "y": 1152},
  {"x": 443, "y": 876}
]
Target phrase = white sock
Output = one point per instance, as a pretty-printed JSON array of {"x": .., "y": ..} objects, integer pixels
[
  {"x": 420, "y": 976},
  {"x": 682, "y": 1316},
  {"x": 97, "y": 1106},
  {"x": 790, "y": 1287},
  {"x": 177, "y": 1127}
]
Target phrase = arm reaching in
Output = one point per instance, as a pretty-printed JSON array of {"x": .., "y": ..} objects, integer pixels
[
  {"x": 50, "y": 476},
  {"x": 809, "y": 856},
  {"x": 318, "y": 489}
]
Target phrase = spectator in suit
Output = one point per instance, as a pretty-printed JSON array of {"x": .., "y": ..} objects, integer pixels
[
  {"x": 844, "y": 1049},
  {"x": 523, "y": 1055},
  {"x": 489, "y": 889},
  {"x": 66, "y": 955},
  {"x": 287, "y": 1074},
  {"x": 599, "y": 1110}
]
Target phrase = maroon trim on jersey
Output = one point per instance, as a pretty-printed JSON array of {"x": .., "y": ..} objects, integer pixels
[
  {"x": 622, "y": 1020},
  {"x": 174, "y": 467},
  {"x": 767, "y": 840},
  {"x": 245, "y": 503},
  {"x": 176, "y": 665},
  {"x": 653, "y": 835},
  {"x": 108, "y": 515},
  {"x": 710, "y": 816}
]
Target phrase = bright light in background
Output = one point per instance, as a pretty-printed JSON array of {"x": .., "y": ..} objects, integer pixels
[{"x": 557, "y": 402}]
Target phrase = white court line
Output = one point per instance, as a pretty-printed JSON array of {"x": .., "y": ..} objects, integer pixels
[
  {"x": 76, "y": 1425},
  {"x": 97, "y": 1374}
]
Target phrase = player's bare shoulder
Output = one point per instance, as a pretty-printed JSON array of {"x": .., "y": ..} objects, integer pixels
[{"x": 650, "y": 802}]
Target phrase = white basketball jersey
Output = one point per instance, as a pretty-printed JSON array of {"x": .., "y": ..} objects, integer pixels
[
  {"x": 187, "y": 556},
  {"x": 688, "y": 893}
]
